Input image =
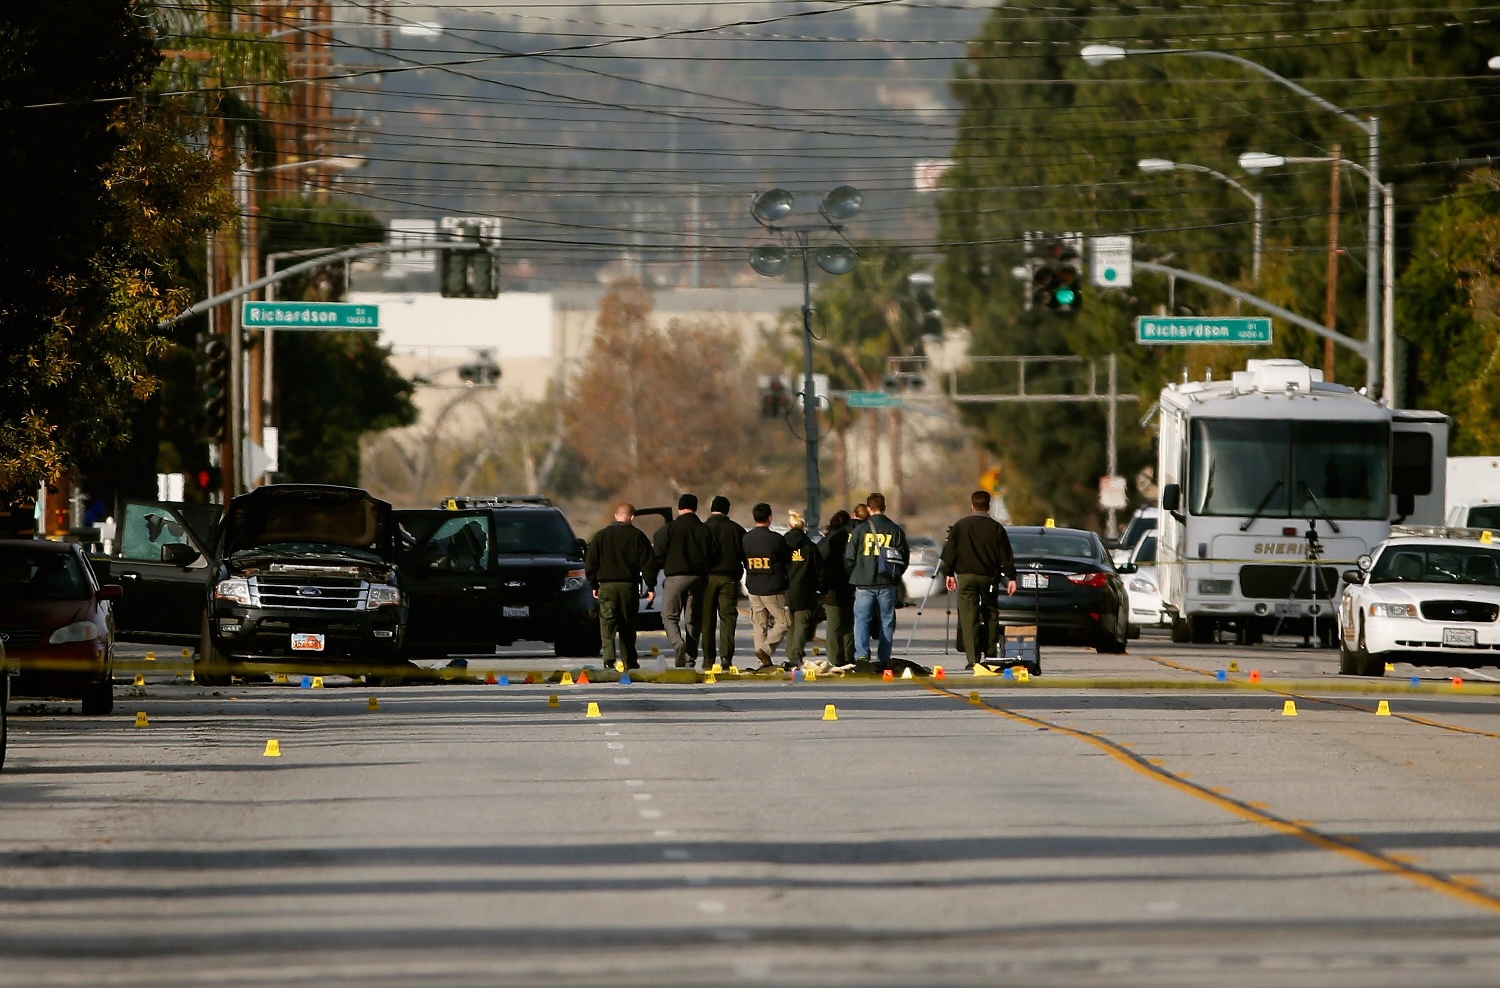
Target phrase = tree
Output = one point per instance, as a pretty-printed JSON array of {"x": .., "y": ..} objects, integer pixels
[
  {"x": 1450, "y": 311},
  {"x": 659, "y": 406},
  {"x": 1046, "y": 142},
  {"x": 100, "y": 194}
]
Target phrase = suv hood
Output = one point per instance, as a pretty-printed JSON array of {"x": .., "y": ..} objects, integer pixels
[{"x": 307, "y": 524}]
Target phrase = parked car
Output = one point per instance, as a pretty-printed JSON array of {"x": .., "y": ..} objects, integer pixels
[
  {"x": 495, "y": 570},
  {"x": 917, "y": 582},
  {"x": 303, "y": 576},
  {"x": 1428, "y": 596},
  {"x": 1144, "y": 589},
  {"x": 57, "y": 623},
  {"x": 1067, "y": 587},
  {"x": 1142, "y": 523}
]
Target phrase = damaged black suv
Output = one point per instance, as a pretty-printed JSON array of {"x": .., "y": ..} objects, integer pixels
[{"x": 305, "y": 580}]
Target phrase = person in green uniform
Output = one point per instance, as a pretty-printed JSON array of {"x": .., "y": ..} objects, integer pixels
[
  {"x": 721, "y": 600},
  {"x": 977, "y": 557},
  {"x": 838, "y": 595},
  {"x": 618, "y": 562},
  {"x": 802, "y": 587}
]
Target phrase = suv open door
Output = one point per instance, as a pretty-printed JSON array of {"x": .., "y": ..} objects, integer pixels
[
  {"x": 447, "y": 567},
  {"x": 161, "y": 558}
]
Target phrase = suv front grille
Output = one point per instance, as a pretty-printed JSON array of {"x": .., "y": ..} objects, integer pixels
[
  {"x": 1469, "y": 611},
  {"x": 309, "y": 594},
  {"x": 1287, "y": 582}
]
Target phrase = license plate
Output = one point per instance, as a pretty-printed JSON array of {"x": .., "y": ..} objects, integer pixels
[
  {"x": 307, "y": 643},
  {"x": 515, "y": 612},
  {"x": 1034, "y": 581},
  {"x": 1460, "y": 637}
]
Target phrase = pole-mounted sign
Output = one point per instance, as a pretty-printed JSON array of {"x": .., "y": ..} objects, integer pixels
[
  {"x": 1242, "y": 330},
  {"x": 311, "y": 315}
]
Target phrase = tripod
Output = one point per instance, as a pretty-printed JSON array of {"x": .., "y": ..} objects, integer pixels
[{"x": 1313, "y": 575}]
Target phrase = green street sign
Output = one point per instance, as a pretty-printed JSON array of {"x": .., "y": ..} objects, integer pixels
[
  {"x": 1241, "y": 330},
  {"x": 871, "y": 399},
  {"x": 310, "y": 315}
]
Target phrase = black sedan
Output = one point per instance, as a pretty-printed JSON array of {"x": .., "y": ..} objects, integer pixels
[{"x": 1067, "y": 587}]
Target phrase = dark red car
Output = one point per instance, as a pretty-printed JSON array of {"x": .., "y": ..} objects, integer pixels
[{"x": 57, "y": 624}]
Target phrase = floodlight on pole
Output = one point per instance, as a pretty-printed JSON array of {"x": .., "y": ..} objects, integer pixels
[
  {"x": 1154, "y": 165},
  {"x": 1494, "y": 63},
  {"x": 1256, "y": 162},
  {"x": 769, "y": 208},
  {"x": 1257, "y": 202}
]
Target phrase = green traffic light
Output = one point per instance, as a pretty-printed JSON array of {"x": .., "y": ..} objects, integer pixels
[{"x": 1065, "y": 296}]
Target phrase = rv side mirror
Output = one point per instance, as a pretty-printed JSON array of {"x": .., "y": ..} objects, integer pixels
[
  {"x": 1406, "y": 504},
  {"x": 1125, "y": 569},
  {"x": 1171, "y": 497},
  {"x": 1353, "y": 576}
]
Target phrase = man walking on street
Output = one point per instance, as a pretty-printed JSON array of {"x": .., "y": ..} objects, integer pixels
[
  {"x": 766, "y": 561},
  {"x": 684, "y": 551},
  {"x": 618, "y": 560},
  {"x": 975, "y": 559},
  {"x": 876, "y": 556},
  {"x": 838, "y": 595},
  {"x": 721, "y": 598},
  {"x": 802, "y": 587}
]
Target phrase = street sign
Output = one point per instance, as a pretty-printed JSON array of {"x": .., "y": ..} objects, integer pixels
[
  {"x": 310, "y": 315},
  {"x": 1110, "y": 266},
  {"x": 1241, "y": 330},
  {"x": 1112, "y": 494},
  {"x": 871, "y": 399}
]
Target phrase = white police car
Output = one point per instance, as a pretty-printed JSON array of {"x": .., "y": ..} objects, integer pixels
[{"x": 1428, "y": 596}]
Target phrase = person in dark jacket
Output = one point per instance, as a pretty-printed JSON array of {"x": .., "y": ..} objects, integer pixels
[
  {"x": 802, "y": 587},
  {"x": 684, "y": 551},
  {"x": 876, "y": 556},
  {"x": 766, "y": 560},
  {"x": 721, "y": 596},
  {"x": 975, "y": 559},
  {"x": 619, "y": 559},
  {"x": 838, "y": 595}
]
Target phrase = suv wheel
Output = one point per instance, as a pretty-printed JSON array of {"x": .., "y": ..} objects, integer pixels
[{"x": 210, "y": 666}]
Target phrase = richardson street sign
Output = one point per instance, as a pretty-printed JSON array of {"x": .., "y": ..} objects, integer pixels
[
  {"x": 1247, "y": 331},
  {"x": 311, "y": 315},
  {"x": 871, "y": 399}
]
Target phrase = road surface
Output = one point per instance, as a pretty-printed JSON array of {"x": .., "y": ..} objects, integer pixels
[{"x": 1135, "y": 823}]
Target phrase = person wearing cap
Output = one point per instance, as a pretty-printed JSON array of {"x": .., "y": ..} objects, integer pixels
[
  {"x": 838, "y": 595},
  {"x": 876, "y": 557},
  {"x": 802, "y": 586},
  {"x": 684, "y": 551},
  {"x": 766, "y": 561},
  {"x": 619, "y": 559},
  {"x": 977, "y": 557},
  {"x": 721, "y": 595}
]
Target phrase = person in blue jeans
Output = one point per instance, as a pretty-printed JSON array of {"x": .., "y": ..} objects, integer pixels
[{"x": 876, "y": 556}]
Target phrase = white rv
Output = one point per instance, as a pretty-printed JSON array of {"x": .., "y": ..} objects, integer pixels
[{"x": 1272, "y": 484}]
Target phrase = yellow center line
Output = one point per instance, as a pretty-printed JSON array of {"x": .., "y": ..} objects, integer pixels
[
  {"x": 1412, "y": 718},
  {"x": 1253, "y": 812}
]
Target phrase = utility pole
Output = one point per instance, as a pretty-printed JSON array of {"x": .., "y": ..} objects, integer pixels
[
  {"x": 1330, "y": 310},
  {"x": 1111, "y": 443}
]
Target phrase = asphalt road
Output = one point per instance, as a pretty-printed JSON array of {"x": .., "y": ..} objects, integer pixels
[{"x": 1135, "y": 823}]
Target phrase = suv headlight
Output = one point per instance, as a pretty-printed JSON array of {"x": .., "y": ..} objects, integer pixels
[
  {"x": 78, "y": 631},
  {"x": 236, "y": 588},
  {"x": 383, "y": 595},
  {"x": 1393, "y": 610},
  {"x": 1142, "y": 585},
  {"x": 576, "y": 579}
]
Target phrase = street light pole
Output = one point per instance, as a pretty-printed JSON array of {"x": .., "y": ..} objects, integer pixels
[
  {"x": 809, "y": 394},
  {"x": 1257, "y": 202},
  {"x": 1096, "y": 55}
]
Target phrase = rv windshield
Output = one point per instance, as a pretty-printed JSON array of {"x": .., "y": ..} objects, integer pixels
[{"x": 1290, "y": 469}]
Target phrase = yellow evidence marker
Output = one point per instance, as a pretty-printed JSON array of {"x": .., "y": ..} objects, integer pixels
[
  {"x": 593, "y": 710},
  {"x": 140, "y": 719},
  {"x": 1289, "y": 709},
  {"x": 1384, "y": 710},
  {"x": 374, "y": 704},
  {"x": 830, "y": 712}
]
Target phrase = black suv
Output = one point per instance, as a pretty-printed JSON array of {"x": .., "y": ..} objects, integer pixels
[
  {"x": 488, "y": 571},
  {"x": 304, "y": 576}
]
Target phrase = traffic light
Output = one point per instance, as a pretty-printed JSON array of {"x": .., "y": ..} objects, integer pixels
[
  {"x": 775, "y": 397},
  {"x": 482, "y": 371},
  {"x": 924, "y": 294},
  {"x": 213, "y": 363},
  {"x": 208, "y": 479},
  {"x": 470, "y": 272},
  {"x": 1056, "y": 275}
]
